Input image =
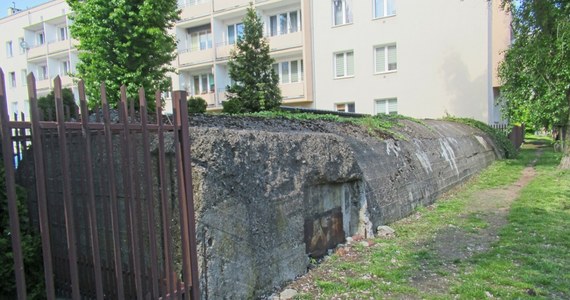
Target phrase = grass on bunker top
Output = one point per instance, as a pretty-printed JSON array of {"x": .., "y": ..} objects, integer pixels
[
  {"x": 529, "y": 259},
  {"x": 380, "y": 123}
]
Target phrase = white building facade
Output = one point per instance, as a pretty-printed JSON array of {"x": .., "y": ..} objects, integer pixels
[{"x": 418, "y": 58}]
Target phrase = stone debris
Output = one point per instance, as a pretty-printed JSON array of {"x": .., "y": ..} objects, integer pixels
[
  {"x": 385, "y": 232},
  {"x": 287, "y": 294}
]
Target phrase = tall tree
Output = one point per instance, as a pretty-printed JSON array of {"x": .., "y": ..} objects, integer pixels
[
  {"x": 124, "y": 42},
  {"x": 536, "y": 70},
  {"x": 255, "y": 83}
]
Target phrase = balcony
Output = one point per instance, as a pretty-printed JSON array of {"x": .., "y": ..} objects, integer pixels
[
  {"x": 220, "y": 5},
  {"x": 195, "y": 10},
  {"x": 223, "y": 51},
  {"x": 292, "y": 90},
  {"x": 188, "y": 58},
  {"x": 66, "y": 81},
  {"x": 286, "y": 41},
  {"x": 58, "y": 46},
  {"x": 43, "y": 84},
  {"x": 209, "y": 97},
  {"x": 37, "y": 51}
]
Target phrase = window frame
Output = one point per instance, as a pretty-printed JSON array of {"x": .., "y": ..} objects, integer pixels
[
  {"x": 9, "y": 49},
  {"x": 345, "y": 62},
  {"x": 385, "y": 9},
  {"x": 40, "y": 38},
  {"x": 236, "y": 33},
  {"x": 386, "y": 58},
  {"x": 347, "y": 105},
  {"x": 12, "y": 79},
  {"x": 278, "y": 67},
  {"x": 278, "y": 24},
  {"x": 386, "y": 106},
  {"x": 21, "y": 40},
  {"x": 346, "y": 13},
  {"x": 207, "y": 78},
  {"x": 62, "y": 33}
]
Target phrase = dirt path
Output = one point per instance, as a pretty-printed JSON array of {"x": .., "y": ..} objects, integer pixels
[{"x": 453, "y": 244}]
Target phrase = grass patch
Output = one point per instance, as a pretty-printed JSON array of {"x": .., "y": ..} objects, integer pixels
[
  {"x": 381, "y": 123},
  {"x": 530, "y": 258},
  {"x": 498, "y": 136}
]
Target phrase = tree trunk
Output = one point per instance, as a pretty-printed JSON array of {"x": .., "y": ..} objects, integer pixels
[{"x": 565, "y": 139}]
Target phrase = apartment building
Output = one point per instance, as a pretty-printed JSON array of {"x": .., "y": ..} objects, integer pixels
[
  {"x": 417, "y": 58},
  {"x": 36, "y": 40}
]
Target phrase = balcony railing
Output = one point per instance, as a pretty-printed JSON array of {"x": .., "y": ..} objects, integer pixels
[
  {"x": 220, "y": 5},
  {"x": 58, "y": 46},
  {"x": 194, "y": 9},
  {"x": 37, "y": 51},
  {"x": 286, "y": 41},
  {"x": 293, "y": 90},
  {"x": 187, "y": 57}
]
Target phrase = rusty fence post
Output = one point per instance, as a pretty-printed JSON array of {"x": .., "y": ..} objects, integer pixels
[
  {"x": 8, "y": 156},
  {"x": 41, "y": 193},
  {"x": 182, "y": 140}
]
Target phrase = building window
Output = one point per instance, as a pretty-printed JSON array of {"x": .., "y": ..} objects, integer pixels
[
  {"x": 12, "y": 79},
  {"x": 342, "y": 12},
  {"x": 65, "y": 68},
  {"x": 21, "y": 45},
  {"x": 43, "y": 74},
  {"x": 200, "y": 38},
  {"x": 24, "y": 76},
  {"x": 344, "y": 64},
  {"x": 40, "y": 38},
  {"x": 384, "y": 8},
  {"x": 345, "y": 107},
  {"x": 387, "y": 106},
  {"x": 235, "y": 32},
  {"x": 62, "y": 33},
  {"x": 285, "y": 23},
  {"x": 203, "y": 84},
  {"x": 9, "y": 50},
  {"x": 289, "y": 71},
  {"x": 385, "y": 59}
]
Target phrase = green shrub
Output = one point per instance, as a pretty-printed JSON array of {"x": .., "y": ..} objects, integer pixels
[
  {"x": 197, "y": 105},
  {"x": 31, "y": 247},
  {"x": 497, "y": 135},
  {"x": 46, "y": 104},
  {"x": 232, "y": 106}
]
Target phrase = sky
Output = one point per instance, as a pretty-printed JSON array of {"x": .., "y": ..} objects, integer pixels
[{"x": 22, "y": 4}]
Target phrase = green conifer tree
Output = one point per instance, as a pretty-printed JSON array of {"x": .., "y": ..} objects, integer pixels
[{"x": 255, "y": 84}]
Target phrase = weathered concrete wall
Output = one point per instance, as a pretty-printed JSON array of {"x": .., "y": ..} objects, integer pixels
[
  {"x": 266, "y": 200},
  {"x": 269, "y": 194}
]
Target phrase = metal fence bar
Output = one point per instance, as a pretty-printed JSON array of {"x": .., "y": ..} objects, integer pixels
[
  {"x": 92, "y": 209},
  {"x": 176, "y": 96},
  {"x": 68, "y": 205},
  {"x": 132, "y": 219},
  {"x": 187, "y": 170},
  {"x": 8, "y": 155},
  {"x": 167, "y": 239},
  {"x": 114, "y": 207},
  {"x": 41, "y": 188},
  {"x": 149, "y": 195}
]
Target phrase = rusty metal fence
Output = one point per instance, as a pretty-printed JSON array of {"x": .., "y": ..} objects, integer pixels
[{"x": 110, "y": 195}]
